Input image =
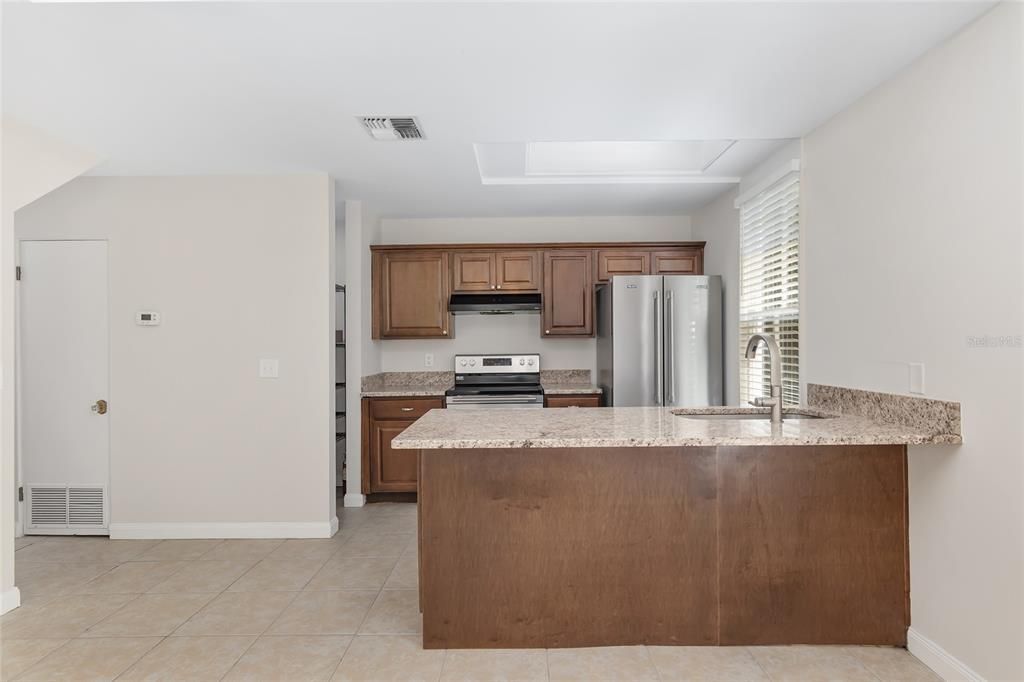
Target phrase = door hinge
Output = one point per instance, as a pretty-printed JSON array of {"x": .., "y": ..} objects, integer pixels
[
  {"x": 21, "y": 493},
  {"x": 17, "y": 273}
]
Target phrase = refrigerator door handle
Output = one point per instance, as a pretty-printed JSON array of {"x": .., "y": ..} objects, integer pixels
[
  {"x": 659, "y": 350},
  {"x": 670, "y": 370}
]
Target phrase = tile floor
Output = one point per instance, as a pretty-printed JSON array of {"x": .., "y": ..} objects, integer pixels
[{"x": 337, "y": 609}]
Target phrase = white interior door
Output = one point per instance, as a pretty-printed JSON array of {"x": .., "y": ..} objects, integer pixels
[{"x": 63, "y": 388}]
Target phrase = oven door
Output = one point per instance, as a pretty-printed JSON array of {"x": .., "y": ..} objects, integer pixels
[{"x": 479, "y": 401}]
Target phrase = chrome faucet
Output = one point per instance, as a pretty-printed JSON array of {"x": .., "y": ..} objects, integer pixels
[{"x": 775, "y": 401}]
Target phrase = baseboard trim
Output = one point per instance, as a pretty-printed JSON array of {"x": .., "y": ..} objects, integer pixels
[
  {"x": 193, "y": 531},
  {"x": 945, "y": 665},
  {"x": 354, "y": 500},
  {"x": 10, "y": 599},
  {"x": 335, "y": 525}
]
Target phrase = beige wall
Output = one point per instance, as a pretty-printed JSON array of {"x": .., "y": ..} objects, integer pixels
[
  {"x": 240, "y": 269},
  {"x": 718, "y": 224},
  {"x": 912, "y": 224},
  {"x": 33, "y": 163},
  {"x": 513, "y": 333}
]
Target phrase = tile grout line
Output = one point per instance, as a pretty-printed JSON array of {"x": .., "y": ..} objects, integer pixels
[
  {"x": 650, "y": 659},
  {"x": 33, "y": 666},
  {"x": 864, "y": 665},
  {"x": 757, "y": 663},
  {"x": 334, "y": 673},
  {"x": 257, "y": 637},
  {"x": 136, "y": 661}
]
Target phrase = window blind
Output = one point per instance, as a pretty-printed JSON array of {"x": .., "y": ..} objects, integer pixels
[{"x": 770, "y": 286}]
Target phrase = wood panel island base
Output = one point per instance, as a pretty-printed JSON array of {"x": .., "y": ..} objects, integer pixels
[{"x": 596, "y": 546}]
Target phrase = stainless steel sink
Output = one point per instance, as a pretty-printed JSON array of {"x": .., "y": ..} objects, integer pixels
[{"x": 766, "y": 416}]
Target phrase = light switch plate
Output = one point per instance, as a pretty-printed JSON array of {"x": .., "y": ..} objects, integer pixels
[
  {"x": 917, "y": 378},
  {"x": 428, "y": 360},
  {"x": 268, "y": 368}
]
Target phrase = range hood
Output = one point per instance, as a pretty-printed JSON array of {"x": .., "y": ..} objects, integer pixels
[{"x": 494, "y": 304}]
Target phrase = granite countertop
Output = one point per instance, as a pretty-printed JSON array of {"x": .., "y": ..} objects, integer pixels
[
  {"x": 407, "y": 384},
  {"x": 638, "y": 427},
  {"x": 659, "y": 426},
  {"x": 432, "y": 384}
]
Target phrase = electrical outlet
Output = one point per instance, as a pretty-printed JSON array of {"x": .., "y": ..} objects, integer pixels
[
  {"x": 268, "y": 368},
  {"x": 917, "y": 378},
  {"x": 428, "y": 360}
]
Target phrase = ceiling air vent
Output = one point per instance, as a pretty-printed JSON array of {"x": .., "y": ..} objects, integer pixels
[{"x": 392, "y": 128}]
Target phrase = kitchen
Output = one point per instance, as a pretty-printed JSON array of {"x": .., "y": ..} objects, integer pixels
[
  {"x": 467, "y": 449},
  {"x": 512, "y": 341}
]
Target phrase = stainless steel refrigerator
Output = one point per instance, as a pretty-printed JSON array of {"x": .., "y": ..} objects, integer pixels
[{"x": 659, "y": 340}]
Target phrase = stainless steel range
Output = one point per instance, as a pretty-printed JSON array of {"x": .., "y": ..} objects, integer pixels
[{"x": 496, "y": 381}]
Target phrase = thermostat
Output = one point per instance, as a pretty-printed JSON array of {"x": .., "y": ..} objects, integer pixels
[{"x": 147, "y": 319}]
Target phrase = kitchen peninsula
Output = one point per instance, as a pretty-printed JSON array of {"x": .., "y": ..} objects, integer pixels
[{"x": 615, "y": 526}]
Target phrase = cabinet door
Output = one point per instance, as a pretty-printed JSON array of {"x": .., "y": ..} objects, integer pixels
[
  {"x": 681, "y": 262},
  {"x": 391, "y": 470},
  {"x": 568, "y": 294},
  {"x": 517, "y": 271},
  {"x": 411, "y": 295},
  {"x": 473, "y": 271},
  {"x": 621, "y": 262}
]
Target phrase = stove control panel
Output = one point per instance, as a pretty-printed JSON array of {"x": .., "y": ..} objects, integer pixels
[{"x": 498, "y": 364}]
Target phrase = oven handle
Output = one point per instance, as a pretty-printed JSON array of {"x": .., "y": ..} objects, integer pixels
[{"x": 460, "y": 400}]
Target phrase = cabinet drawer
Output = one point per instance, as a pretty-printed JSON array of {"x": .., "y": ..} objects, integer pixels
[
  {"x": 572, "y": 401},
  {"x": 403, "y": 408}
]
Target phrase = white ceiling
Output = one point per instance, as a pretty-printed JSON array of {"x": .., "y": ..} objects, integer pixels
[{"x": 182, "y": 88}]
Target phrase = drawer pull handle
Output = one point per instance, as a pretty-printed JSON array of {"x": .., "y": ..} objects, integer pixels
[{"x": 406, "y": 409}]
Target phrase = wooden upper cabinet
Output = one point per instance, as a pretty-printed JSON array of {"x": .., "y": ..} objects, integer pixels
[
  {"x": 412, "y": 289},
  {"x": 680, "y": 262},
  {"x": 517, "y": 271},
  {"x": 411, "y": 284},
  {"x": 622, "y": 262},
  {"x": 490, "y": 271},
  {"x": 568, "y": 293},
  {"x": 473, "y": 271}
]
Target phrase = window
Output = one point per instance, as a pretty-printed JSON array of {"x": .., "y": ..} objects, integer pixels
[{"x": 770, "y": 285}]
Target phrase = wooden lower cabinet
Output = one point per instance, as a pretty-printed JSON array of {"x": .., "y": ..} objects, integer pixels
[
  {"x": 386, "y": 469},
  {"x": 664, "y": 546},
  {"x": 572, "y": 401}
]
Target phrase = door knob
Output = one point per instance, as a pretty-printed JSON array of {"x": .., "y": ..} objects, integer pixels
[{"x": 100, "y": 407}]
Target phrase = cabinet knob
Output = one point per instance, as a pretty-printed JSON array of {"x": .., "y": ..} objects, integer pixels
[
  {"x": 444, "y": 331},
  {"x": 547, "y": 331},
  {"x": 492, "y": 286},
  {"x": 406, "y": 409},
  {"x": 499, "y": 286}
]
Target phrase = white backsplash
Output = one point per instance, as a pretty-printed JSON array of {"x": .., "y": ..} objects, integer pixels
[{"x": 488, "y": 334}]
